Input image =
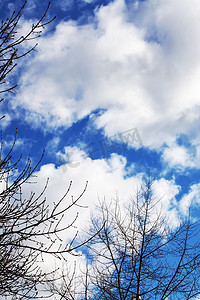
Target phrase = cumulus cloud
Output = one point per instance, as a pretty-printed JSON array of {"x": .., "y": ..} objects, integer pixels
[
  {"x": 107, "y": 180},
  {"x": 192, "y": 198},
  {"x": 178, "y": 156},
  {"x": 166, "y": 191},
  {"x": 143, "y": 71}
]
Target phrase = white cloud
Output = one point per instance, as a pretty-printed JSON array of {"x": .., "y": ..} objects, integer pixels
[
  {"x": 113, "y": 64},
  {"x": 6, "y": 120},
  {"x": 192, "y": 198},
  {"x": 178, "y": 156},
  {"x": 165, "y": 192},
  {"x": 107, "y": 179}
]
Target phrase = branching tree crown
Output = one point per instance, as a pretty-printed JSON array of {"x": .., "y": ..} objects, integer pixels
[
  {"x": 138, "y": 255},
  {"x": 29, "y": 228},
  {"x": 10, "y": 43}
]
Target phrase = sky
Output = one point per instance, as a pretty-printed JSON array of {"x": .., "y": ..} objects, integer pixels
[{"x": 112, "y": 94}]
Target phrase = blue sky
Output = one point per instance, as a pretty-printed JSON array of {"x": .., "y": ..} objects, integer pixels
[{"x": 112, "y": 93}]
